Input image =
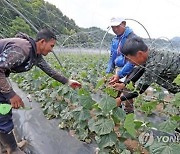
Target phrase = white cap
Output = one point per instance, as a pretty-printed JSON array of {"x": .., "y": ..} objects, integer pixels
[{"x": 115, "y": 21}]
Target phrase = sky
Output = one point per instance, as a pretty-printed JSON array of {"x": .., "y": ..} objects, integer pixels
[{"x": 161, "y": 18}]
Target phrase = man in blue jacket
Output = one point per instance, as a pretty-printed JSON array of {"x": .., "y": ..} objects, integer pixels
[{"x": 117, "y": 59}]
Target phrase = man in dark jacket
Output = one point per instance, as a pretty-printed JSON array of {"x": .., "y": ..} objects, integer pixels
[
  {"x": 20, "y": 55},
  {"x": 154, "y": 66}
]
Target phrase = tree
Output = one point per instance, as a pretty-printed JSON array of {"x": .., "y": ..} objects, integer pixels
[{"x": 19, "y": 25}]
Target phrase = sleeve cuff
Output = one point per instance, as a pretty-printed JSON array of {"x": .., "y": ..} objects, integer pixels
[
  {"x": 9, "y": 95},
  {"x": 129, "y": 96}
]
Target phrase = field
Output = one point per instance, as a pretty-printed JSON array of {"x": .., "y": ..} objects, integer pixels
[{"x": 90, "y": 113}]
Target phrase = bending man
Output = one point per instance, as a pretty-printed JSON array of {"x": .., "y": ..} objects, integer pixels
[
  {"x": 20, "y": 55},
  {"x": 160, "y": 67}
]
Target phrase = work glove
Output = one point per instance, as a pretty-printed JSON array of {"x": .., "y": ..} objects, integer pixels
[{"x": 74, "y": 84}]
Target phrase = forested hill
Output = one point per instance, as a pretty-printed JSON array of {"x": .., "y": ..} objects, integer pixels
[{"x": 43, "y": 14}]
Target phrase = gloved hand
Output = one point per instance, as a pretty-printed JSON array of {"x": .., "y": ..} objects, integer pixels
[{"x": 74, "y": 84}]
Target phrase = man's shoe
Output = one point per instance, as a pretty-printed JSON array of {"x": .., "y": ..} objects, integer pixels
[{"x": 9, "y": 143}]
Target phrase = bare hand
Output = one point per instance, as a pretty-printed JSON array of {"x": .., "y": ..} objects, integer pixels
[
  {"x": 118, "y": 101},
  {"x": 113, "y": 79},
  {"x": 74, "y": 84},
  {"x": 16, "y": 102},
  {"x": 118, "y": 86}
]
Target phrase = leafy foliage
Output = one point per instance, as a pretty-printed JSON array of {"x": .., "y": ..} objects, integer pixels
[
  {"x": 163, "y": 148},
  {"x": 91, "y": 111},
  {"x": 129, "y": 124}
]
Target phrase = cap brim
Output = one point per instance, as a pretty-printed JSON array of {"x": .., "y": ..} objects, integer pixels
[{"x": 115, "y": 23}]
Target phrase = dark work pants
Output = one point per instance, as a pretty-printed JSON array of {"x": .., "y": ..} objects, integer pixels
[
  {"x": 7, "y": 139},
  {"x": 6, "y": 122},
  {"x": 127, "y": 105}
]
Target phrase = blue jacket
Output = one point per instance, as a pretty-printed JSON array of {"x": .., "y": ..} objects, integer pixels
[{"x": 117, "y": 59}]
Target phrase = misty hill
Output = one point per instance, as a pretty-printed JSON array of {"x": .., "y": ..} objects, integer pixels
[
  {"x": 164, "y": 43},
  {"x": 176, "y": 42},
  {"x": 176, "y": 39}
]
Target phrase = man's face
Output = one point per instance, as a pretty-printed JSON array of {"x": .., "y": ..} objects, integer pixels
[
  {"x": 118, "y": 30},
  {"x": 47, "y": 46},
  {"x": 138, "y": 59}
]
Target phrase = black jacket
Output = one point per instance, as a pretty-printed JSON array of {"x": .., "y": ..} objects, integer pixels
[{"x": 19, "y": 55}]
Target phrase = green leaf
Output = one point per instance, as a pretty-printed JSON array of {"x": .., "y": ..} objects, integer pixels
[
  {"x": 81, "y": 124},
  {"x": 55, "y": 83},
  {"x": 176, "y": 118},
  {"x": 83, "y": 92},
  {"x": 156, "y": 87},
  {"x": 111, "y": 92},
  {"x": 168, "y": 126},
  {"x": 177, "y": 80},
  {"x": 164, "y": 148},
  {"x": 107, "y": 103},
  {"x": 91, "y": 124},
  {"x": 100, "y": 83},
  {"x": 138, "y": 124},
  {"x": 76, "y": 112},
  {"x": 119, "y": 114},
  {"x": 83, "y": 133},
  {"x": 129, "y": 124},
  {"x": 130, "y": 86},
  {"x": 107, "y": 140},
  {"x": 176, "y": 100},
  {"x": 84, "y": 115},
  {"x": 5, "y": 108},
  {"x": 102, "y": 126},
  {"x": 148, "y": 107},
  {"x": 86, "y": 101},
  {"x": 84, "y": 74},
  {"x": 121, "y": 146}
]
